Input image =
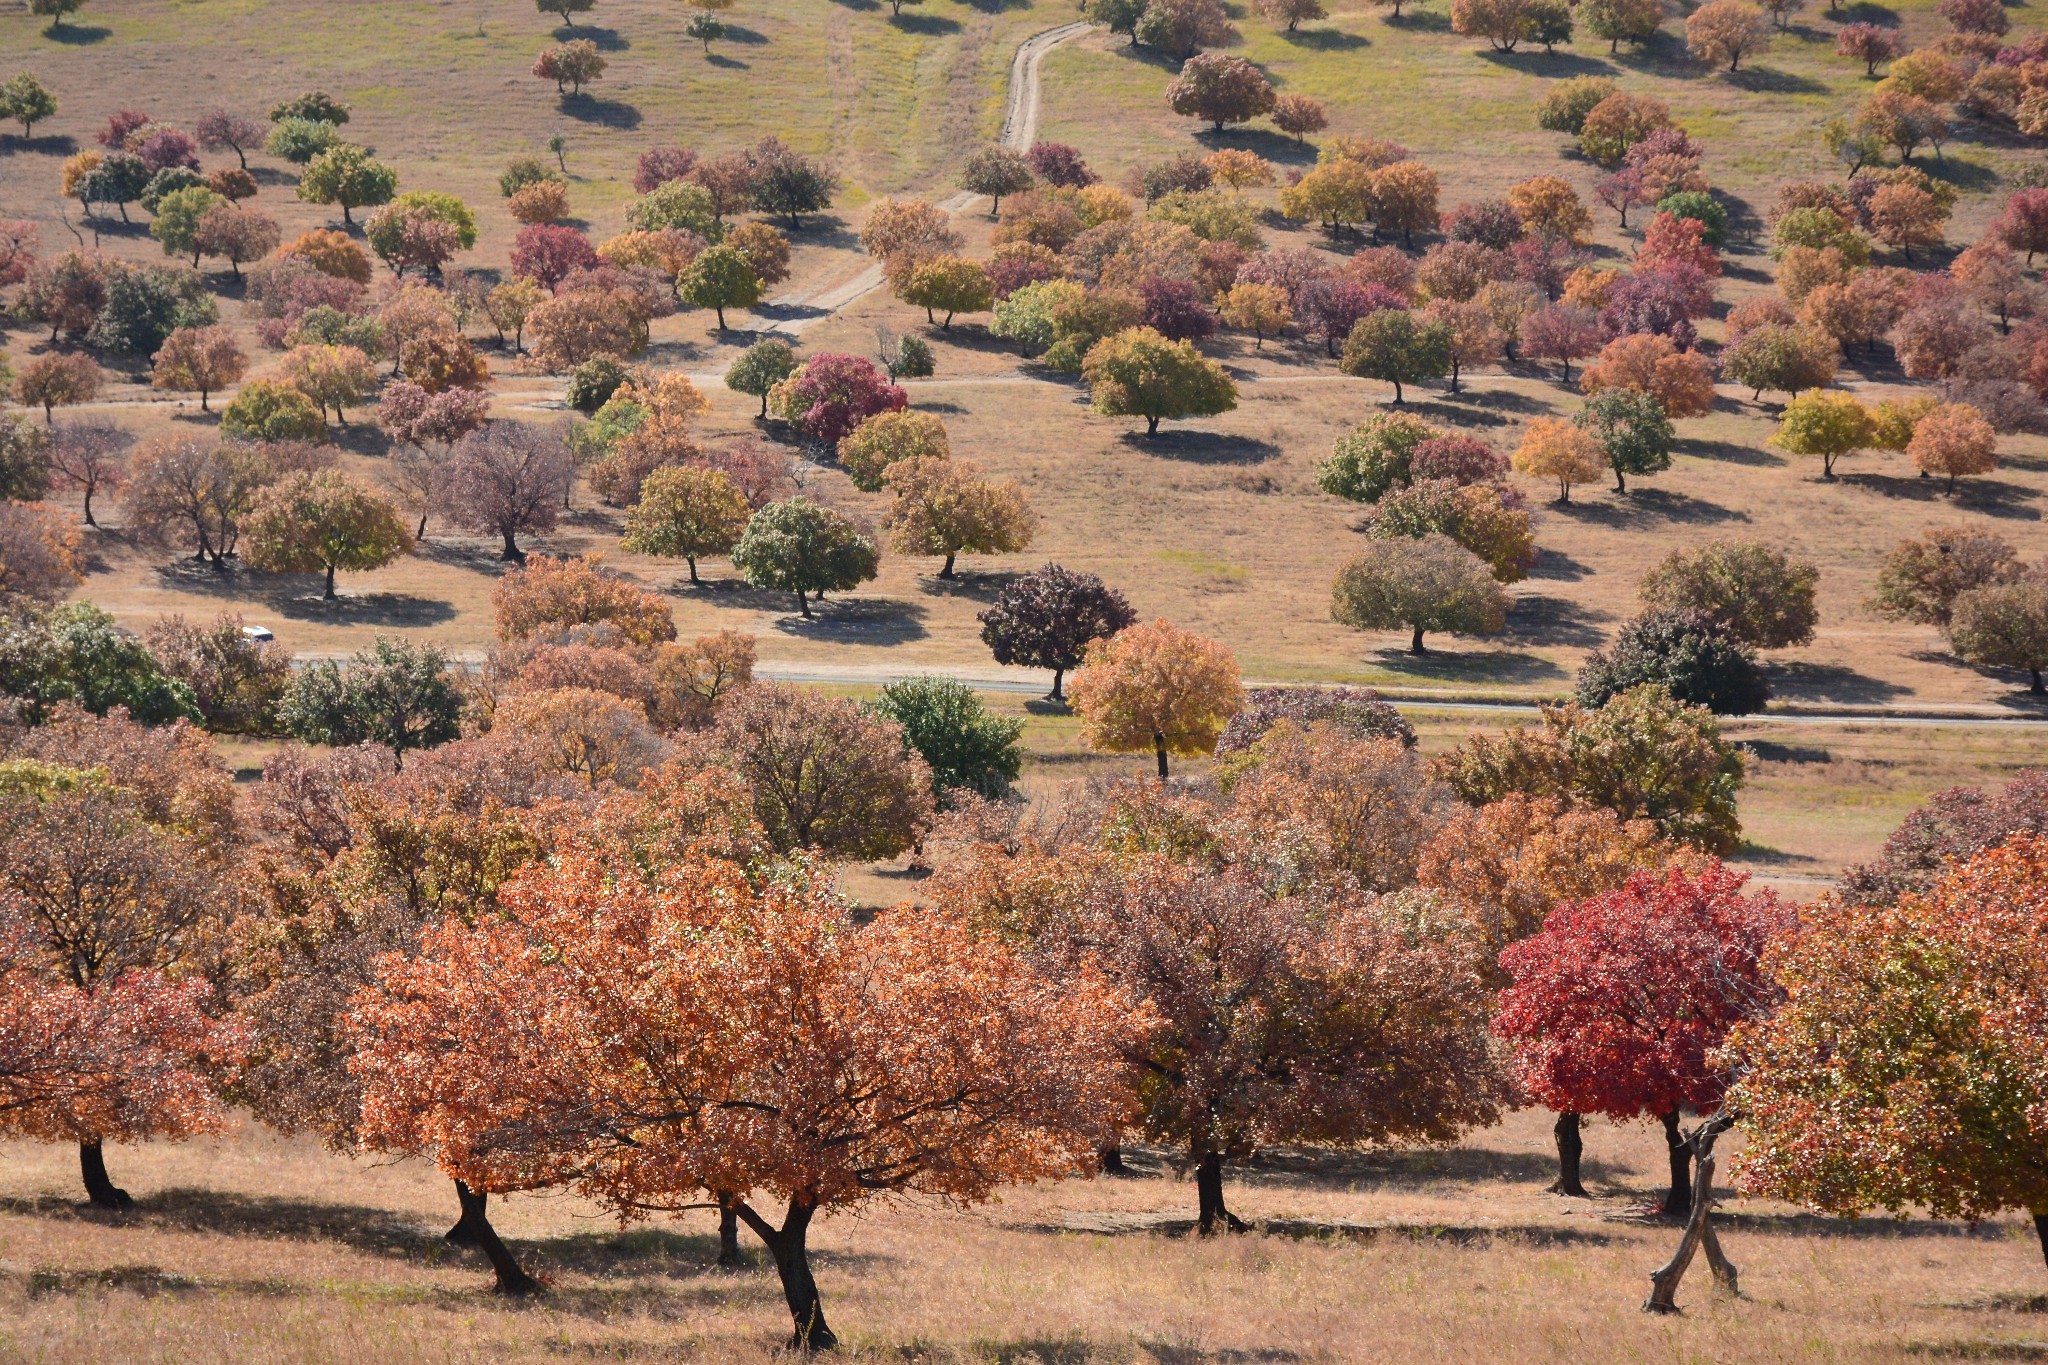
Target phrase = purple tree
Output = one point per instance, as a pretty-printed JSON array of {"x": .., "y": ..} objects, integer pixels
[
  {"x": 1048, "y": 618},
  {"x": 1329, "y": 307},
  {"x": 1055, "y": 163},
  {"x": 509, "y": 478},
  {"x": 1176, "y": 309}
]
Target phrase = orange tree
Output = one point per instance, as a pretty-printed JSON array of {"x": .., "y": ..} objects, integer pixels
[
  {"x": 1156, "y": 687},
  {"x": 1908, "y": 1064},
  {"x": 805, "y": 1059},
  {"x": 1619, "y": 1003}
]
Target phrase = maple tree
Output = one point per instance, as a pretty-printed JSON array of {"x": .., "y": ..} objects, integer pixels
[
  {"x": 1620, "y": 1002},
  {"x": 583, "y": 732},
  {"x": 1158, "y": 687},
  {"x": 945, "y": 508},
  {"x": 807, "y": 1059},
  {"x": 1905, "y": 1066},
  {"x": 552, "y": 593}
]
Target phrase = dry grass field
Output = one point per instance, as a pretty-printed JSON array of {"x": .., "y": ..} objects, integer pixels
[{"x": 257, "y": 1248}]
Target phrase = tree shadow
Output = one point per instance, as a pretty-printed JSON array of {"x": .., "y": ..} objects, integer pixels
[
  {"x": 1964, "y": 175},
  {"x": 143, "y": 1281},
  {"x": 745, "y": 37},
  {"x": 1202, "y": 447},
  {"x": 883, "y": 621},
  {"x": 78, "y": 35},
  {"x": 1540, "y": 63},
  {"x": 1452, "y": 412},
  {"x": 607, "y": 40},
  {"x": 1873, "y": 1229},
  {"x": 1770, "y": 751},
  {"x": 1803, "y": 680},
  {"x": 930, "y": 24},
  {"x": 603, "y": 113},
  {"x": 1992, "y": 497},
  {"x": 1766, "y": 80},
  {"x": 373, "y": 1231},
  {"x": 1039, "y": 1351},
  {"x": 1481, "y": 665},
  {"x": 981, "y": 586},
  {"x": 401, "y": 610},
  {"x": 864, "y": 6},
  {"x": 996, "y": 6},
  {"x": 1640, "y": 505},
  {"x": 1324, "y": 39},
  {"x": 1277, "y": 148},
  {"x": 1556, "y": 566},
  {"x": 49, "y": 144},
  {"x": 1547, "y": 620},
  {"x": 1728, "y": 452},
  {"x": 1419, "y": 21},
  {"x": 725, "y": 63},
  {"x": 1865, "y": 12}
]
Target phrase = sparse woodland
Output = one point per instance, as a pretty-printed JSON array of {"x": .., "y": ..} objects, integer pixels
[{"x": 512, "y": 667}]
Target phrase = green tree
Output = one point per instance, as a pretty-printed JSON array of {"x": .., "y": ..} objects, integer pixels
[
  {"x": 1684, "y": 651},
  {"x": 347, "y": 175},
  {"x": 1139, "y": 373},
  {"x": 2005, "y": 625},
  {"x": 266, "y": 410},
  {"x": 76, "y": 653},
  {"x": 177, "y": 219},
  {"x": 797, "y": 546},
  {"x": 1374, "y": 457},
  {"x": 996, "y": 171},
  {"x": 1826, "y": 423},
  {"x": 966, "y": 747},
  {"x": 1392, "y": 346},
  {"x": 760, "y": 368},
  {"x": 321, "y": 522},
  {"x": 1757, "y": 593},
  {"x": 706, "y": 28},
  {"x": 951, "y": 284},
  {"x": 1026, "y": 316},
  {"x": 677, "y": 204},
  {"x": 27, "y": 101},
  {"x": 721, "y": 278},
  {"x": 1631, "y": 427},
  {"x": 1118, "y": 16},
  {"x": 299, "y": 140},
  {"x": 315, "y": 106},
  {"x": 396, "y": 694},
  {"x": 56, "y": 10},
  {"x": 1427, "y": 583},
  {"x": 686, "y": 511},
  {"x": 568, "y": 9}
]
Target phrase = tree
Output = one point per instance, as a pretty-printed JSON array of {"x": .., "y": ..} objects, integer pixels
[
  {"x": 949, "y": 283},
  {"x": 349, "y": 176},
  {"x": 197, "y": 489},
  {"x": 270, "y": 410},
  {"x": 826, "y": 773},
  {"x": 944, "y": 508},
  {"x": 1954, "y": 826},
  {"x": 1727, "y": 31},
  {"x": 1619, "y": 122},
  {"x": 705, "y": 27},
  {"x": 1644, "y": 755},
  {"x": 797, "y": 546},
  {"x": 223, "y": 129},
  {"x": 786, "y": 182},
  {"x": 299, "y": 140},
  {"x": 2023, "y": 224},
  {"x": 1180, "y": 27},
  {"x": 321, "y": 522},
  {"x": 1902, "y": 1068},
  {"x": 27, "y": 101},
  {"x": 1615, "y": 20},
  {"x": 1562, "y": 333},
  {"x": 1549, "y": 207},
  {"x": 834, "y": 393},
  {"x": 1556, "y": 448},
  {"x": 75, "y": 654},
  {"x": 550, "y": 595},
  {"x": 1422, "y": 584},
  {"x": 56, "y": 10},
  {"x": 1683, "y": 381},
  {"x": 1474, "y": 339},
  {"x": 395, "y": 694},
  {"x": 53, "y": 380},
  {"x": 571, "y": 66},
  {"x": 1921, "y": 579},
  {"x": 198, "y": 359},
  {"x": 236, "y": 233},
  {"x": 944, "y": 723},
  {"x": 332, "y": 376},
  {"x": 1155, "y": 687},
  {"x": 1374, "y": 457},
  {"x": 1394, "y": 346},
  {"x": 1683, "y": 650},
  {"x": 1298, "y": 116},
  {"x": 1903, "y": 216},
  {"x": 1139, "y": 373},
  {"x": 760, "y": 368},
  {"x": 543, "y": 201},
  {"x": 685, "y": 512},
  {"x": 1632, "y": 429},
  {"x": 797, "y": 1072},
  {"x": 507, "y": 479},
  {"x": 89, "y": 455},
  {"x": 1487, "y": 520},
  {"x": 2004, "y": 625},
  {"x": 718, "y": 279},
  {"x": 867, "y": 452},
  {"x": 1256, "y": 308},
  {"x": 1049, "y": 617},
  {"x": 236, "y": 682},
  {"x": 582, "y": 732},
  {"x": 26, "y": 457},
  {"x": 1503, "y": 23},
  {"x": 1548, "y": 22},
  {"x": 1894, "y": 118},
  {"x": 1220, "y": 89},
  {"x": 1953, "y": 440},
  {"x": 40, "y": 561},
  {"x": 1620, "y": 1003},
  {"x": 176, "y": 224},
  {"x": 995, "y": 171},
  {"x": 1331, "y": 306},
  {"x": 1758, "y": 594},
  {"x": 1824, "y": 422}
]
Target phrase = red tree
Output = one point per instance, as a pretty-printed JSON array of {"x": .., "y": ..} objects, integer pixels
[
  {"x": 834, "y": 393},
  {"x": 1619, "y": 1001},
  {"x": 803, "y": 1059},
  {"x": 547, "y": 253}
]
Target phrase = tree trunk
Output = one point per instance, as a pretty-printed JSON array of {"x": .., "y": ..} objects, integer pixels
[
  {"x": 1058, "y": 674},
  {"x": 2039, "y": 688},
  {"x": 1159, "y": 745},
  {"x": 787, "y": 1244},
  {"x": 329, "y": 594},
  {"x": 947, "y": 572},
  {"x": 1415, "y": 643},
  {"x": 2041, "y": 1232},
  {"x": 1620, "y": 483},
  {"x": 512, "y": 1280},
  {"x": 202, "y": 401},
  {"x": 1569, "y": 1149},
  {"x": 1678, "y": 1199},
  {"x": 88, "y": 510},
  {"x": 764, "y": 406},
  {"x": 803, "y": 604},
  {"x": 1398, "y": 400},
  {"x": 1112, "y": 1161},
  {"x": 104, "y": 1193},
  {"x": 421, "y": 534},
  {"x": 1151, "y": 426},
  {"x": 1699, "y": 1232},
  {"x": 512, "y": 553},
  {"x": 691, "y": 560},
  {"x": 728, "y": 1233},
  {"x": 1454, "y": 376},
  {"x": 721, "y": 318},
  {"x": 463, "y": 1234},
  {"x": 1214, "y": 1217}
]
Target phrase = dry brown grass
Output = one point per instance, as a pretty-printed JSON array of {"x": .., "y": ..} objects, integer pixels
[{"x": 259, "y": 1248}]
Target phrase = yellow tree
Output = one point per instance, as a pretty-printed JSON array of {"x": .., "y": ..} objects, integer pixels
[
  {"x": 1156, "y": 687},
  {"x": 1560, "y": 449},
  {"x": 945, "y": 508}
]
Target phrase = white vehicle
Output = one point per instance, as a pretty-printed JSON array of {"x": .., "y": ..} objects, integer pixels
[{"x": 259, "y": 634}]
